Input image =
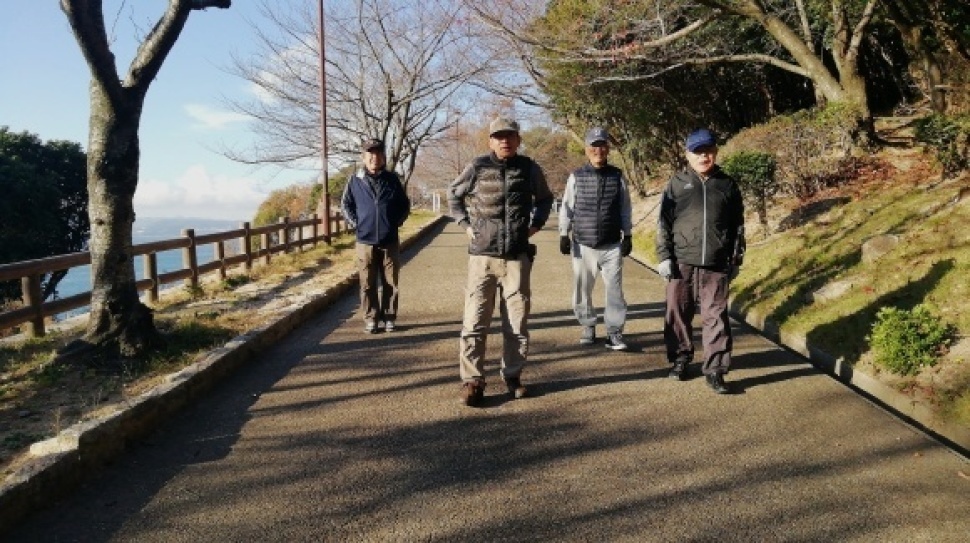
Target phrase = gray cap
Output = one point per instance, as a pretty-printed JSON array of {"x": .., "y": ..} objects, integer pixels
[
  {"x": 502, "y": 124},
  {"x": 372, "y": 144},
  {"x": 596, "y": 135}
]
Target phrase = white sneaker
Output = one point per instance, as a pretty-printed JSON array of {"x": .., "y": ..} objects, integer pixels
[
  {"x": 614, "y": 341},
  {"x": 589, "y": 335},
  {"x": 370, "y": 327},
  {"x": 388, "y": 326}
]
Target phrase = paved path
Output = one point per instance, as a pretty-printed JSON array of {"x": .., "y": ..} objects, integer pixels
[{"x": 339, "y": 436}]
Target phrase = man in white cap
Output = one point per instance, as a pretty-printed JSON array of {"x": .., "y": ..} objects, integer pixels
[
  {"x": 501, "y": 199},
  {"x": 596, "y": 210}
]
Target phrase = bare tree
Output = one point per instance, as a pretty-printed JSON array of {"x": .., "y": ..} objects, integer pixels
[
  {"x": 118, "y": 319},
  {"x": 394, "y": 68}
]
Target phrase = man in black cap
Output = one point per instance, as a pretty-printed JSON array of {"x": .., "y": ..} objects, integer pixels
[
  {"x": 700, "y": 246},
  {"x": 596, "y": 209},
  {"x": 500, "y": 199},
  {"x": 375, "y": 203}
]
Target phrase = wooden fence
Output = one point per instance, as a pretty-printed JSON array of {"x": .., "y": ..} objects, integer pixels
[{"x": 282, "y": 237}]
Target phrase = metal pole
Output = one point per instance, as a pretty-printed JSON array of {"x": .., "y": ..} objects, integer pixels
[{"x": 323, "y": 125}]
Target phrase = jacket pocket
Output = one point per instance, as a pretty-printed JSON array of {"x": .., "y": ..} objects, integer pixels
[{"x": 486, "y": 236}]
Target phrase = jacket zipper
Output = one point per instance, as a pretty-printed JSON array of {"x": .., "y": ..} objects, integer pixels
[{"x": 704, "y": 225}]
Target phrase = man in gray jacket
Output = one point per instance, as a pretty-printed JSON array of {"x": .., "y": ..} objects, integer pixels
[
  {"x": 500, "y": 200},
  {"x": 700, "y": 246},
  {"x": 596, "y": 209}
]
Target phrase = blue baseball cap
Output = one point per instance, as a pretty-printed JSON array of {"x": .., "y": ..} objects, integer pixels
[
  {"x": 596, "y": 135},
  {"x": 700, "y": 138}
]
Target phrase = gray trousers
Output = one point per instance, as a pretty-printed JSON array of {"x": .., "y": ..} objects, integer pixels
[
  {"x": 608, "y": 262},
  {"x": 508, "y": 280},
  {"x": 377, "y": 271},
  {"x": 690, "y": 289}
]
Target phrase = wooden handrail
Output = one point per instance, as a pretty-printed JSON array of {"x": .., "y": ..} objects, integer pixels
[{"x": 29, "y": 272}]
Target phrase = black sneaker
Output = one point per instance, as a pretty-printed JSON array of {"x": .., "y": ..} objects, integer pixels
[
  {"x": 473, "y": 392},
  {"x": 679, "y": 369},
  {"x": 717, "y": 384},
  {"x": 516, "y": 389}
]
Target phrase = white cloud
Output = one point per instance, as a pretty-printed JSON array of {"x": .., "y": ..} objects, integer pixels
[
  {"x": 208, "y": 118},
  {"x": 197, "y": 193}
]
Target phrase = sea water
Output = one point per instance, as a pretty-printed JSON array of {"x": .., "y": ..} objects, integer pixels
[{"x": 147, "y": 230}]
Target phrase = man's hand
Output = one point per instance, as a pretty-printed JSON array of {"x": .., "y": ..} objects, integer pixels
[
  {"x": 666, "y": 269},
  {"x": 470, "y": 232},
  {"x": 533, "y": 231},
  {"x": 565, "y": 246},
  {"x": 733, "y": 272},
  {"x": 626, "y": 245}
]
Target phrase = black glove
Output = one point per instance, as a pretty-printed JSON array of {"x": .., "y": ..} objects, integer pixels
[
  {"x": 626, "y": 245},
  {"x": 565, "y": 246}
]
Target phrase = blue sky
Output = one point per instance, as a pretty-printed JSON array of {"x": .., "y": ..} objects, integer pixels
[{"x": 44, "y": 90}]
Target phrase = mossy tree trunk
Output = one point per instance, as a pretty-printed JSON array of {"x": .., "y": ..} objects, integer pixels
[{"x": 119, "y": 322}]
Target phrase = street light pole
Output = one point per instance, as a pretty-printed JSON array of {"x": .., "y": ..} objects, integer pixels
[{"x": 323, "y": 124}]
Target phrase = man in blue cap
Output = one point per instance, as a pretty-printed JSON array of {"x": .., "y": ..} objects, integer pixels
[
  {"x": 700, "y": 246},
  {"x": 596, "y": 210}
]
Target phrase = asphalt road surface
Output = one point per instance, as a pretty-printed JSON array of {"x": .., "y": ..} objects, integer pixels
[{"x": 336, "y": 435}]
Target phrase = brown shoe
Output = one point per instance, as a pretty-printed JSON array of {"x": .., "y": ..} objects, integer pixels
[
  {"x": 516, "y": 389},
  {"x": 473, "y": 392}
]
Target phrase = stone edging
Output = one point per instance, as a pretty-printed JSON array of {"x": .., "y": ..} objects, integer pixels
[
  {"x": 952, "y": 435},
  {"x": 62, "y": 462}
]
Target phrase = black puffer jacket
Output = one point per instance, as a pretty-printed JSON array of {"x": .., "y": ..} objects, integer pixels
[
  {"x": 701, "y": 222},
  {"x": 598, "y": 206},
  {"x": 500, "y": 199}
]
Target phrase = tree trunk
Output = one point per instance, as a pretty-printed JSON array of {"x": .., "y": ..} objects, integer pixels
[{"x": 117, "y": 315}]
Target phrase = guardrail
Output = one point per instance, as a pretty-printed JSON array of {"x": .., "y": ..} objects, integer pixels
[{"x": 282, "y": 237}]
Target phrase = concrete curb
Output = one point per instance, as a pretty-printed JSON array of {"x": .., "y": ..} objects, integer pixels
[
  {"x": 953, "y": 436},
  {"x": 64, "y": 461}
]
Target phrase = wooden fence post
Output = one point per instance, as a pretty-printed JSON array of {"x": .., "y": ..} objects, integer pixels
[
  {"x": 190, "y": 259},
  {"x": 30, "y": 286},
  {"x": 314, "y": 230},
  {"x": 264, "y": 240},
  {"x": 247, "y": 246},
  {"x": 285, "y": 233},
  {"x": 150, "y": 263},
  {"x": 219, "y": 253}
]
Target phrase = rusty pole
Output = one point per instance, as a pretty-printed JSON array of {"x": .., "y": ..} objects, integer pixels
[{"x": 323, "y": 124}]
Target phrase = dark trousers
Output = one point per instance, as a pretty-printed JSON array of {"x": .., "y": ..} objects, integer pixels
[
  {"x": 690, "y": 289},
  {"x": 377, "y": 271}
]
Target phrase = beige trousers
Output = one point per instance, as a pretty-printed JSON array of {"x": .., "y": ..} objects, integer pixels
[{"x": 508, "y": 280}]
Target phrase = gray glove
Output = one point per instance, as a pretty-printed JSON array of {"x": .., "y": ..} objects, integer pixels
[{"x": 666, "y": 269}]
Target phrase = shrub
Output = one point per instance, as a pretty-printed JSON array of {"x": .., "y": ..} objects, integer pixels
[
  {"x": 948, "y": 137},
  {"x": 810, "y": 146},
  {"x": 755, "y": 173},
  {"x": 906, "y": 341}
]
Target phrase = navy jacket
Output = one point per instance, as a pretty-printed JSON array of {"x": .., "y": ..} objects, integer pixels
[{"x": 376, "y": 205}]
